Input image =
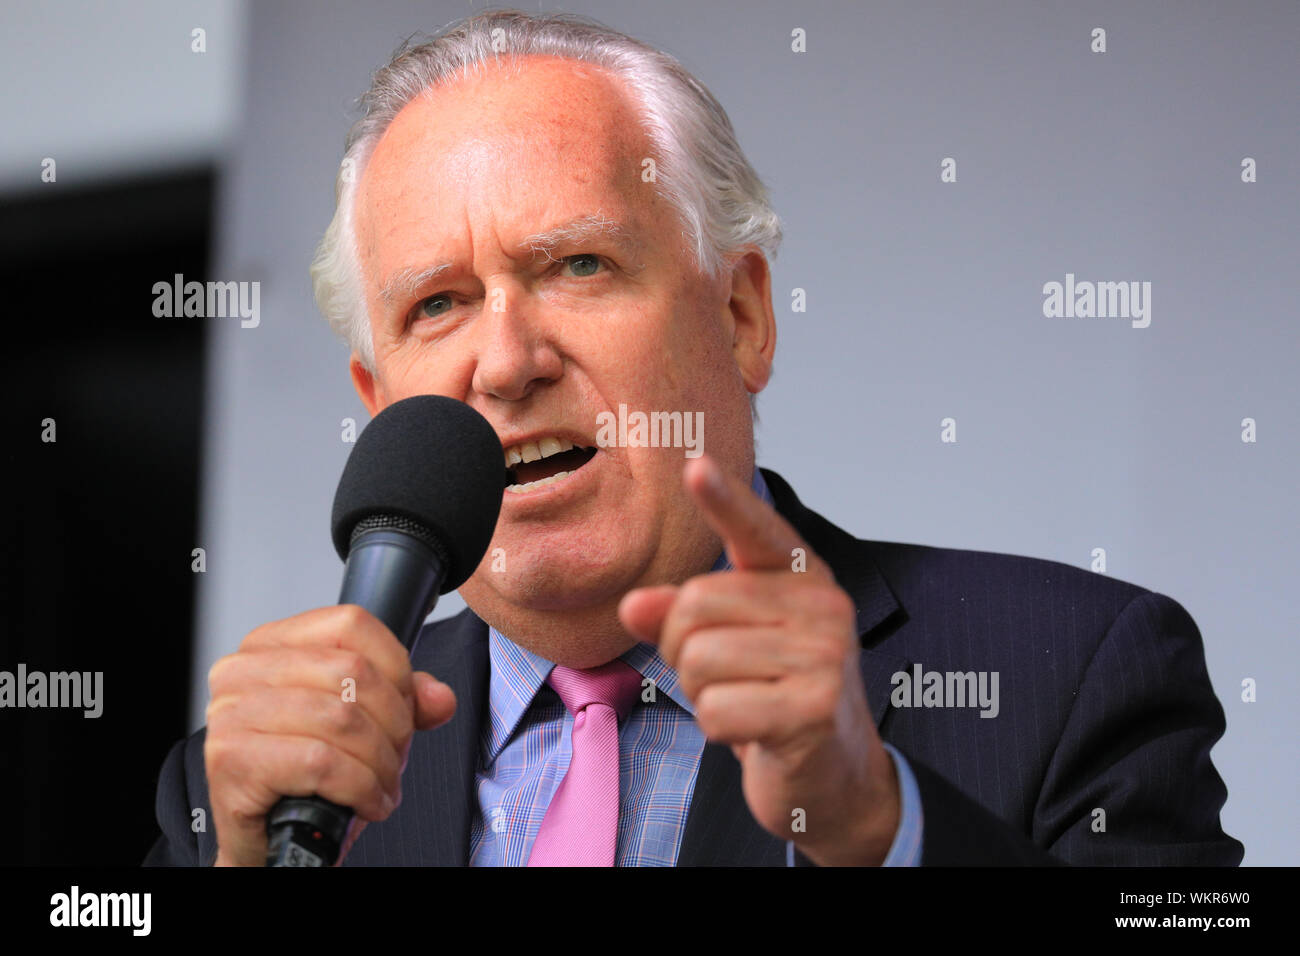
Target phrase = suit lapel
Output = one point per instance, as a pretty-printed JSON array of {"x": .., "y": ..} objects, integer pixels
[
  {"x": 720, "y": 830},
  {"x": 431, "y": 827}
]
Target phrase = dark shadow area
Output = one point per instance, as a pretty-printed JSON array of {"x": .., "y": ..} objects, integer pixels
[{"x": 96, "y": 561}]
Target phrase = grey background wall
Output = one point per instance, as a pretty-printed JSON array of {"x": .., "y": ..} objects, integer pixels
[
  {"x": 111, "y": 90},
  {"x": 924, "y": 301}
]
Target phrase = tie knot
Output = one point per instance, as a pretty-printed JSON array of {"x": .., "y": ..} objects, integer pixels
[{"x": 614, "y": 684}]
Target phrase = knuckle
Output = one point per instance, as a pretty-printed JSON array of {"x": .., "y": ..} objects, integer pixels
[
  {"x": 218, "y": 717},
  {"x": 822, "y": 703},
  {"x": 706, "y": 710},
  {"x": 356, "y": 665},
  {"x": 219, "y": 757},
  {"x": 834, "y": 602},
  {"x": 316, "y": 760},
  {"x": 342, "y": 717},
  {"x": 353, "y": 617},
  {"x": 242, "y": 810},
  {"x": 692, "y": 596},
  {"x": 255, "y": 638},
  {"x": 693, "y": 655},
  {"x": 218, "y": 671}
]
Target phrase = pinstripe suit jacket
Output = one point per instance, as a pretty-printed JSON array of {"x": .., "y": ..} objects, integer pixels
[{"x": 1104, "y": 704}]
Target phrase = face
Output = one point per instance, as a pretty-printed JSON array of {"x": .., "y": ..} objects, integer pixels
[{"x": 542, "y": 336}]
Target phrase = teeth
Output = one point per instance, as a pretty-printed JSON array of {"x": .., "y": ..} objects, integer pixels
[
  {"x": 537, "y": 450},
  {"x": 537, "y": 484}
]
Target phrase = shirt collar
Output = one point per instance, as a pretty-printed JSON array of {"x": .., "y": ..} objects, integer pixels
[{"x": 518, "y": 674}]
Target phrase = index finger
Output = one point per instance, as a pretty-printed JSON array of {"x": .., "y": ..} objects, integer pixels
[{"x": 756, "y": 537}]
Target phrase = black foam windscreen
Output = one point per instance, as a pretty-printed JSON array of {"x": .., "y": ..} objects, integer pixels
[{"x": 431, "y": 460}]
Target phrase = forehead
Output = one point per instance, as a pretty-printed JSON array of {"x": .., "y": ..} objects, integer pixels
[{"x": 540, "y": 139}]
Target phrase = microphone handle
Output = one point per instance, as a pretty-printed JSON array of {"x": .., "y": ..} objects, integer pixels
[{"x": 397, "y": 578}]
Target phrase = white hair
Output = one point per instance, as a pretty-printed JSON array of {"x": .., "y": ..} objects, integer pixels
[{"x": 700, "y": 170}]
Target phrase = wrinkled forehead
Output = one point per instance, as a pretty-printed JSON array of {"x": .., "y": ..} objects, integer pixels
[{"x": 512, "y": 144}]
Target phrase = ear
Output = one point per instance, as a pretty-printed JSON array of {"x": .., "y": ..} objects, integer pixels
[
  {"x": 753, "y": 323},
  {"x": 369, "y": 391}
]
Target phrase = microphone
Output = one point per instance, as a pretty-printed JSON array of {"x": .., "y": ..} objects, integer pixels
[{"x": 415, "y": 509}]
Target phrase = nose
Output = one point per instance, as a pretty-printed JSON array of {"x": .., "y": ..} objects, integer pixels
[{"x": 515, "y": 354}]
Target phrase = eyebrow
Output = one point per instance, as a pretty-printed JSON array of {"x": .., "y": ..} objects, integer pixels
[{"x": 405, "y": 282}]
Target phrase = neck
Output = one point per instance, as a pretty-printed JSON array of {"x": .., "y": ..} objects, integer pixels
[{"x": 580, "y": 637}]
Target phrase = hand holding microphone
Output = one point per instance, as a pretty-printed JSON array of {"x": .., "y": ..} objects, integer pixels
[
  {"x": 287, "y": 749},
  {"x": 278, "y": 724}
]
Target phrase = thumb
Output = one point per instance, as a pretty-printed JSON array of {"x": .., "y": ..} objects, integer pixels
[{"x": 435, "y": 702}]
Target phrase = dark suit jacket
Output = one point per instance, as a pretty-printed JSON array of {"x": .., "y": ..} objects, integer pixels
[{"x": 1104, "y": 703}]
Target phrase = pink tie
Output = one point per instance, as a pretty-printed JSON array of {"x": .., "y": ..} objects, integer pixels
[{"x": 581, "y": 824}]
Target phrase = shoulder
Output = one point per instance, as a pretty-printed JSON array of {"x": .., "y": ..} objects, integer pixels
[
  {"x": 979, "y": 604},
  {"x": 925, "y": 576},
  {"x": 1047, "y": 625}
]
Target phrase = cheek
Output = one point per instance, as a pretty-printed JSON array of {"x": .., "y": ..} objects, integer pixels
[
  {"x": 669, "y": 356},
  {"x": 696, "y": 357},
  {"x": 409, "y": 369},
  {"x": 396, "y": 378},
  {"x": 627, "y": 359}
]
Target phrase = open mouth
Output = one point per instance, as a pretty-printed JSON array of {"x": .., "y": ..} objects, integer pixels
[{"x": 543, "y": 462}]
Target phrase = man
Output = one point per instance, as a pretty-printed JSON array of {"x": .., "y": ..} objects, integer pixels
[{"x": 667, "y": 659}]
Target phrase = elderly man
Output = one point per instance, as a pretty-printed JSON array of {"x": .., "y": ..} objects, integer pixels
[{"x": 667, "y": 659}]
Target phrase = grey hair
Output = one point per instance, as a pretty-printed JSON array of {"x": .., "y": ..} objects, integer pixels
[{"x": 700, "y": 171}]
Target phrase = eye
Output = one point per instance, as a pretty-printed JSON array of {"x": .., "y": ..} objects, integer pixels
[
  {"x": 584, "y": 264},
  {"x": 430, "y": 306}
]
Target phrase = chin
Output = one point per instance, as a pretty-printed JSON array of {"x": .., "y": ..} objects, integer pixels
[
  {"x": 546, "y": 572},
  {"x": 559, "y": 585}
]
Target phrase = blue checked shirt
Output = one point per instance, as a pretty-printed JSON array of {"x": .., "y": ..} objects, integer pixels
[{"x": 527, "y": 745}]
